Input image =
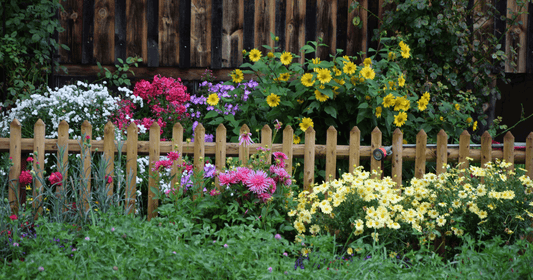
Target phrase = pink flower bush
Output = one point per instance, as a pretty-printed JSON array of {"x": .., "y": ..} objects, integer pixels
[{"x": 162, "y": 101}]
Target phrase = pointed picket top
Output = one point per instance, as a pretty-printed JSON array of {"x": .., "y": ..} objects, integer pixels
[
  {"x": 288, "y": 142},
  {"x": 39, "y": 122},
  {"x": 355, "y": 144},
  {"x": 442, "y": 151},
  {"x": 397, "y": 160},
  {"x": 86, "y": 124},
  {"x": 375, "y": 143},
  {"x": 177, "y": 126},
  {"x": 529, "y": 155},
  {"x": 331, "y": 153},
  {"x": 155, "y": 125},
  {"x": 15, "y": 123},
  {"x": 508, "y": 149},
  {"x": 109, "y": 125},
  {"x": 464, "y": 149},
  {"x": 486, "y": 148},
  {"x": 420, "y": 160},
  {"x": 221, "y": 127},
  {"x": 132, "y": 128}
]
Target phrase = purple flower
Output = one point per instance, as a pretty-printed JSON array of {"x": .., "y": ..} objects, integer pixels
[
  {"x": 209, "y": 171},
  {"x": 41, "y": 268},
  {"x": 112, "y": 229},
  {"x": 225, "y": 245},
  {"x": 270, "y": 269},
  {"x": 87, "y": 238},
  {"x": 174, "y": 252},
  {"x": 285, "y": 254},
  {"x": 277, "y": 236},
  {"x": 209, "y": 138},
  {"x": 15, "y": 244}
]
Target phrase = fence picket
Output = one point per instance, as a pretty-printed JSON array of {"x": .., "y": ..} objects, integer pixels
[
  {"x": 62, "y": 145},
  {"x": 199, "y": 151},
  {"x": 131, "y": 167},
  {"x": 529, "y": 155},
  {"x": 15, "y": 136},
  {"x": 87, "y": 132},
  {"x": 442, "y": 151},
  {"x": 486, "y": 148},
  {"x": 244, "y": 150},
  {"x": 266, "y": 141},
  {"x": 375, "y": 143},
  {"x": 464, "y": 149},
  {"x": 109, "y": 154},
  {"x": 177, "y": 146},
  {"x": 153, "y": 180},
  {"x": 508, "y": 149},
  {"x": 220, "y": 151},
  {"x": 288, "y": 141},
  {"x": 309, "y": 158},
  {"x": 420, "y": 161},
  {"x": 331, "y": 153},
  {"x": 38, "y": 163},
  {"x": 397, "y": 152},
  {"x": 355, "y": 143}
]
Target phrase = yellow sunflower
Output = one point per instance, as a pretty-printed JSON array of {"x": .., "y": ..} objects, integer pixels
[
  {"x": 405, "y": 50},
  {"x": 254, "y": 55},
  {"x": 213, "y": 99},
  {"x": 286, "y": 58},
  {"x": 400, "y": 119},
  {"x": 237, "y": 76},
  {"x": 422, "y": 104},
  {"x": 296, "y": 139},
  {"x": 306, "y": 123},
  {"x": 273, "y": 100},
  {"x": 320, "y": 96},
  {"x": 378, "y": 111},
  {"x": 368, "y": 73},
  {"x": 324, "y": 75},
  {"x": 367, "y": 61},
  {"x": 284, "y": 76},
  {"x": 389, "y": 100},
  {"x": 349, "y": 68},
  {"x": 392, "y": 56},
  {"x": 401, "y": 81},
  {"x": 270, "y": 54}
]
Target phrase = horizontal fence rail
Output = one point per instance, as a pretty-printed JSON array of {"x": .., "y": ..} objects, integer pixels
[{"x": 220, "y": 149}]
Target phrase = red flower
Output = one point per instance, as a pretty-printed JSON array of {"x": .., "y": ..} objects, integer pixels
[
  {"x": 29, "y": 159},
  {"x": 25, "y": 178},
  {"x": 56, "y": 178},
  {"x": 13, "y": 217},
  {"x": 109, "y": 179}
]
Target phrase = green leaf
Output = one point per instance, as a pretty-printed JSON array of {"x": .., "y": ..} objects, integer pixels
[
  {"x": 331, "y": 111},
  {"x": 363, "y": 106},
  {"x": 211, "y": 114}
]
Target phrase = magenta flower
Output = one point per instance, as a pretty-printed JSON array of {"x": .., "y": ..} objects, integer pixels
[
  {"x": 277, "y": 236},
  {"x": 25, "y": 178},
  {"x": 245, "y": 138},
  {"x": 227, "y": 178},
  {"x": 41, "y": 268},
  {"x": 56, "y": 178},
  {"x": 173, "y": 156},
  {"x": 270, "y": 269},
  {"x": 277, "y": 124},
  {"x": 225, "y": 245},
  {"x": 29, "y": 159},
  {"x": 257, "y": 181}
]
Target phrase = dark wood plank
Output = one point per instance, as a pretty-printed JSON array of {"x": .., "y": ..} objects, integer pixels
[
  {"x": 88, "y": 31},
  {"x": 137, "y": 29},
  {"x": 72, "y": 20},
  {"x": 264, "y": 24},
  {"x": 295, "y": 30},
  {"x": 185, "y": 34},
  {"x": 373, "y": 23},
  {"x": 516, "y": 39},
  {"x": 500, "y": 25},
  {"x": 152, "y": 18},
  {"x": 120, "y": 30},
  {"x": 248, "y": 26},
  {"x": 342, "y": 24},
  {"x": 529, "y": 56},
  {"x": 281, "y": 13},
  {"x": 356, "y": 35},
  {"x": 216, "y": 34},
  {"x": 169, "y": 32},
  {"x": 310, "y": 24},
  {"x": 104, "y": 27},
  {"x": 232, "y": 32},
  {"x": 82, "y": 72},
  {"x": 326, "y": 27},
  {"x": 200, "y": 33}
]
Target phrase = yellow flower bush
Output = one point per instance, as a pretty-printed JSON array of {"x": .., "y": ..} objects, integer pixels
[{"x": 490, "y": 201}]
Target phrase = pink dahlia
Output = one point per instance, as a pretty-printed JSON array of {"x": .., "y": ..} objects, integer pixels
[
  {"x": 173, "y": 156},
  {"x": 227, "y": 178},
  {"x": 279, "y": 172},
  {"x": 264, "y": 197},
  {"x": 242, "y": 174},
  {"x": 257, "y": 181},
  {"x": 162, "y": 163},
  {"x": 25, "y": 178}
]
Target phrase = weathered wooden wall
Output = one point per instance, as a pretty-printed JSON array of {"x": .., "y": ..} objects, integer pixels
[{"x": 181, "y": 38}]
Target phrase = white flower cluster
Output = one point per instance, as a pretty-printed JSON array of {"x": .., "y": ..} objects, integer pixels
[{"x": 72, "y": 103}]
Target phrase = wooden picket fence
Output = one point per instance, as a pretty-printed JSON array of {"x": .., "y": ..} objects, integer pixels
[{"x": 220, "y": 149}]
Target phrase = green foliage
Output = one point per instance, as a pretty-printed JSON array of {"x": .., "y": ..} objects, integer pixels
[
  {"x": 451, "y": 55},
  {"x": 118, "y": 78},
  {"x": 27, "y": 46}
]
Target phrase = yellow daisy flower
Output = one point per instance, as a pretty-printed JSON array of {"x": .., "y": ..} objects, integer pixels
[
  {"x": 324, "y": 75},
  {"x": 273, "y": 100},
  {"x": 320, "y": 96},
  {"x": 254, "y": 55},
  {"x": 306, "y": 123},
  {"x": 213, "y": 99},
  {"x": 286, "y": 58},
  {"x": 400, "y": 119},
  {"x": 237, "y": 76},
  {"x": 307, "y": 79}
]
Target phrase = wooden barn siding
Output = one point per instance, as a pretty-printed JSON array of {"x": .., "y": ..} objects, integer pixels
[{"x": 181, "y": 38}]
